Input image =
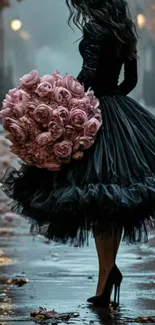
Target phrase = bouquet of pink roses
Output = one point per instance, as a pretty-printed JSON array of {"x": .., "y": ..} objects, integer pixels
[{"x": 50, "y": 120}]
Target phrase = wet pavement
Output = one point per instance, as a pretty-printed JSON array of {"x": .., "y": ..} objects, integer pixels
[{"x": 62, "y": 278}]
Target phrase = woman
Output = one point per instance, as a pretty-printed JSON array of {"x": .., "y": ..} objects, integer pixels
[{"x": 113, "y": 187}]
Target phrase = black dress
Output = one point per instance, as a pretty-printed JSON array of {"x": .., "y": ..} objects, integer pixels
[{"x": 115, "y": 181}]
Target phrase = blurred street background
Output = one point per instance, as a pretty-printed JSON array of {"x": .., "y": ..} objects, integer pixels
[{"x": 34, "y": 35}]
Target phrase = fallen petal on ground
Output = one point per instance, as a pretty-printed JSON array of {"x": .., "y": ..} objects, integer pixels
[
  {"x": 43, "y": 313},
  {"x": 18, "y": 282}
]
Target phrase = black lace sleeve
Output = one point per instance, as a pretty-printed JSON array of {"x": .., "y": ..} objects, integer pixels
[
  {"x": 130, "y": 76},
  {"x": 91, "y": 44}
]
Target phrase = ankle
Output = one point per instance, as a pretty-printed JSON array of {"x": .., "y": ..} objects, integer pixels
[{"x": 104, "y": 272}]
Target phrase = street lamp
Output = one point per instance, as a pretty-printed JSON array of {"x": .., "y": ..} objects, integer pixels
[
  {"x": 16, "y": 24},
  {"x": 141, "y": 21}
]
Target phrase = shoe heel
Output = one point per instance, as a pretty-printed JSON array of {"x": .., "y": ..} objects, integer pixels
[
  {"x": 116, "y": 294},
  {"x": 118, "y": 277}
]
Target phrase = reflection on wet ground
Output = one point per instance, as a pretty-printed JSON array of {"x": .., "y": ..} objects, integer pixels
[{"x": 62, "y": 278}]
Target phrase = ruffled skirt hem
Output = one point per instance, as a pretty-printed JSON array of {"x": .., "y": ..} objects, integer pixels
[{"x": 69, "y": 213}]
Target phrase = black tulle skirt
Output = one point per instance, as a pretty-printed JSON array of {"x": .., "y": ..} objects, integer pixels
[{"x": 114, "y": 184}]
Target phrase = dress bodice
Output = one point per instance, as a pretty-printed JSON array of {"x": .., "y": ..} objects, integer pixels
[{"x": 102, "y": 63}]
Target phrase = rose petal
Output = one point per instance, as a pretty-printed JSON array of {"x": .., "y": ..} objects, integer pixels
[
  {"x": 64, "y": 114},
  {"x": 44, "y": 138},
  {"x": 63, "y": 149},
  {"x": 74, "y": 86},
  {"x": 78, "y": 118},
  {"x": 91, "y": 127},
  {"x": 62, "y": 96},
  {"x": 56, "y": 130},
  {"x": 42, "y": 114},
  {"x": 44, "y": 89},
  {"x": 85, "y": 142},
  {"x": 29, "y": 80},
  {"x": 70, "y": 133}
]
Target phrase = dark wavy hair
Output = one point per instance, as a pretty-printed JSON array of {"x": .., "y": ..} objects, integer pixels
[{"x": 114, "y": 14}]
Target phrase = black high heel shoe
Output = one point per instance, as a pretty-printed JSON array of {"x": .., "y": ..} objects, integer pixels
[{"x": 114, "y": 281}]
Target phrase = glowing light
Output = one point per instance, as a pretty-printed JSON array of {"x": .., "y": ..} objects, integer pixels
[
  {"x": 16, "y": 24},
  {"x": 141, "y": 21}
]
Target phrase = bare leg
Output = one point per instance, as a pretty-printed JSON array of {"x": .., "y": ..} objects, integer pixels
[{"x": 107, "y": 248}]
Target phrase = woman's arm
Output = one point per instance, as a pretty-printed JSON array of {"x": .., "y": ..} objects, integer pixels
[{"x": 130, "y": 76}]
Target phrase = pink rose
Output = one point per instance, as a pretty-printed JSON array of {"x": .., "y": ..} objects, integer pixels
[
  {"x": 83, "y": 104},
  {"x": 59, "y": 82},
  {"x": 93, "y": 100},
  {"x": 85, "y": 142},
  {"x": 73, "y": 85},
  {"x": 10, "y": 138},
  {"x": 56, "y": 74},
  {"x": 58, "y": 79},
  {"x": 90, "y": 94},
  {"x": 30, "y": 80},
  {"x": 44, "y": 89},
  {"x": 23, "y": 152},
  {"x": 7, "y": 112},
  {"x": 16, "y": 96},
  {"x": 48, "y": 78},
  {"x": 31, "y": 148},
  {"x": 17, "y": 132},
  {"x": 63, "y": 149},
  {"x": 56, "y": 118},
  {"x": 91, "y": 127},
  {"x": 18, "y": 111},
  {"x": 53, "y": 104},
  {"x": 69, "y": 133},
  {"x": 62, "y": 96},
  {"x": 49, "y": 150},
  {"x": 7, "y": 121},
  {"x": 44, "y": 138},
  {"x": 64, "y": 114},
  {"x": 56, "y": 130},
  {"x": 40, "y": 156},
  {"x": 31, "y": 106},
  {"x": 20, "y": 96},
  {"x": 29, "y": 127},
  {"x": 78, "y": 155},
  {"x": 6, "y": 104},
  {"x": 78, "y": 118},
  {"x": 95, "y": 103},
  {"x": 11, "y": 93},
  {"x": 97, "y": 115},
  {"x": 52, "y": 165},
  {"x": 9, "y": 98},
  {"x": 27, "y": 124},
  {"x": 42, "y": 114},
  {"x": 74, "y": 103},
  {"x": 15, "y": 149}
]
